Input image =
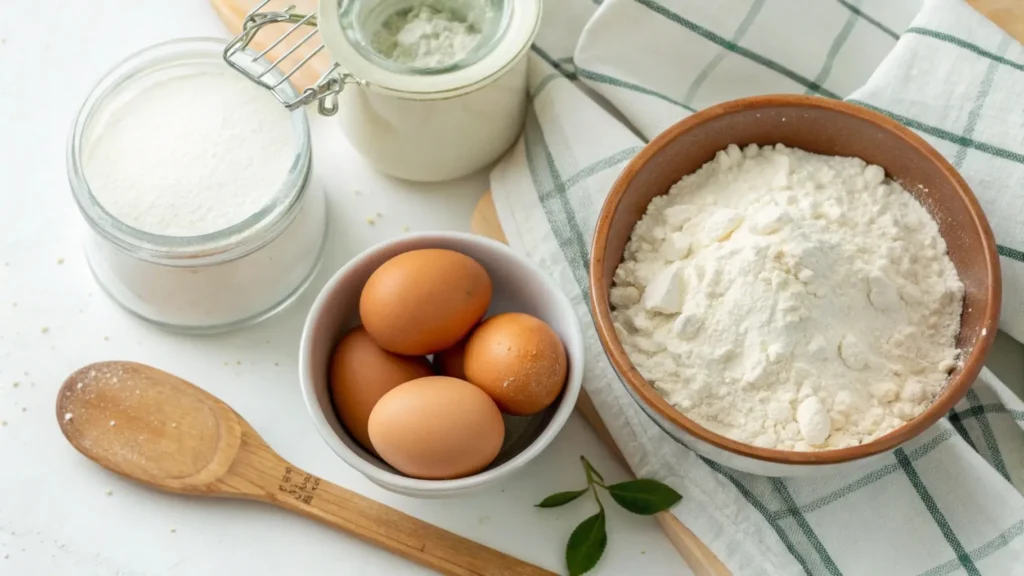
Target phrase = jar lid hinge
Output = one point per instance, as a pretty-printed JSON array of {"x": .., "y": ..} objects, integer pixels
[{"x": 326, "y": 89}]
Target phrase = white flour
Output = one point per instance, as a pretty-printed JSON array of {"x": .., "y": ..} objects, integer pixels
[
  {"x": 790, "y": 300},
  {"x": 190, "y": 153},
  {"x": 425, "y": 37}
]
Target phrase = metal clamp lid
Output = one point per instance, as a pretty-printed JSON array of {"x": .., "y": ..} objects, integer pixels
[{"x": 326, "y": 89}]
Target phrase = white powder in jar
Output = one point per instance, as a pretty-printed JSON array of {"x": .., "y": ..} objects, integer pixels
[
  {"x": 190, "y": 151},
  {"x": 425, "y": 37},
  {"x": 189, "y": 148},
  {"x": 790, "y": 300}
]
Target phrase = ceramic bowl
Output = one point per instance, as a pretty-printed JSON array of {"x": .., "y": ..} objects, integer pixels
[
  {"x": 825, "y": 127},
  {"x": 519, "y": 286}
]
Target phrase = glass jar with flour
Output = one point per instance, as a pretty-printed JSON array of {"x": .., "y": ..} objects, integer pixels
[
  {"x": 200, "y": 219},
  {"x": 426, "y": 90}
]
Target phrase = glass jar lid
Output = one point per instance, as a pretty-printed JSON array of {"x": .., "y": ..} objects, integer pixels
[{"x": 427, "y": 49}]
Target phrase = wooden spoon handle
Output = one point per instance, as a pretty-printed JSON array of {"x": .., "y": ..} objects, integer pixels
[
  {"x": 258, "y": 472},
  {"x": 405, "y": 535}
]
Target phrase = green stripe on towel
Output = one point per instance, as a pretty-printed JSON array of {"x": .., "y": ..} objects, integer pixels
[
  {"x": 805, "y": 527},
  {"x": 595, "y": 167},
  {"x": 837, "y": 495},
  {"x": 940, "y": 519},
  {"x": 882, "y": 27},
  {"x": 735, "y": 48},
  {"x": 946, "y": 134},
  {"x": 987, "y": 549},
  {"x": 1011, "y": 253},
  {"x": 562, "y": 69},
  {"x": 978, "y": 105},
  {"x": 741, "y": 31},
  {"x": 557, "y": 208},
  {"x": 995, "y": 455},
  {"x": 957, "y": 421},
  {"x": 567, "y": 68},
  {"x": 588, "y": 74},
  {"x": 865, "y": 480},
  {"x": 758, "y": 505},
  {"x": 837, "y": 44},
  {"x": 975, "y": 411},
  {"x": 932, "y": 443},
  {"x": 961, "y": 43}
]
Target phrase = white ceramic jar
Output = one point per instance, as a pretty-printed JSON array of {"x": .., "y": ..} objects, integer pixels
[
  {"x": 214, "y": 280},
  {"x": 420, "y": 123}
]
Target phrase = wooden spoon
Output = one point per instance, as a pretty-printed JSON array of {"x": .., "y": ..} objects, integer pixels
[{"x": 156, "y": 428}]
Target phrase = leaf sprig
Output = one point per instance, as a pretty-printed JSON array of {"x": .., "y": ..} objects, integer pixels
[{"x": 589, "y": 539}]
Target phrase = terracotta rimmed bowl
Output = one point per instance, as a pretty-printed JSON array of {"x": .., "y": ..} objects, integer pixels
[{"x": 825, "y": 127}]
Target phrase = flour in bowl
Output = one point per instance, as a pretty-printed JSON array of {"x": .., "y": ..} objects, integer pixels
[
  {"x": 790, "y": 300},
  {"x": 424, "y": 37}
]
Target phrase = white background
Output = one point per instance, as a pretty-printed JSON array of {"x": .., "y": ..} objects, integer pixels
[{"x": 55, "y": 515}]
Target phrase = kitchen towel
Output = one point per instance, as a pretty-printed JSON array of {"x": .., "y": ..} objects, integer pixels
[{"x": 607, "y": 76}]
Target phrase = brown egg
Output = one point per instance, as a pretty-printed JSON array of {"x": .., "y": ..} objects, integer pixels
[
  {"x": 437, "y": 428},
  {"x": 424, "y": 301},
  {"x": 449, "y": 362},
  {"x": 360, "y": 373},
  {"x": 518, "y": 360}
]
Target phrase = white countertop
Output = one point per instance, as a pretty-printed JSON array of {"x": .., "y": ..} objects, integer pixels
[{"x": 55, "y": 514}]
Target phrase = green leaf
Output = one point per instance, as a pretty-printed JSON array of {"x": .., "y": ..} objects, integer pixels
[
  {"x": 644, "y": 496},
  {"x": 561, "y": 498},
  {"x": 590, "y": 470},
  {"x": 586, "y": 545}
]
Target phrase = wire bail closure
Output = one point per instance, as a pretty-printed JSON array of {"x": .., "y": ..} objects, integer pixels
[{"x": 326, "y": 89}]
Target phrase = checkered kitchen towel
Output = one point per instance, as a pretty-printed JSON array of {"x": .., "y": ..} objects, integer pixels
[{"x": 948, "y": 502}]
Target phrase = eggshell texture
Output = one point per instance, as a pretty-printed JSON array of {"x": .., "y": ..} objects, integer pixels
[
  {"x": 424, "y": 301},
  {"x": 518, "y": 360},
  {"x": 437, "y": 428},
  {"x": 448, "y": 362},
  {"x": 361, "y": 372}
]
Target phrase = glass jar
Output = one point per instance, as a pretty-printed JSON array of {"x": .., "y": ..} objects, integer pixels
[
  {"x": 420, "y": 122},
  {"x": 212, "y": 281}
]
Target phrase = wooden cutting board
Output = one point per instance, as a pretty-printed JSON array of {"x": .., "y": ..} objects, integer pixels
[{"x": 1008, "y": 14}]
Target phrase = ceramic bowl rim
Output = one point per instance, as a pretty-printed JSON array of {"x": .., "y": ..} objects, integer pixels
[
  {"x": 574, "y": 380},
  {"x": 630, "y": 376}
]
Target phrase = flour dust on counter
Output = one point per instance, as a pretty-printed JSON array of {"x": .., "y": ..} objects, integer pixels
[{"x": 790, "y": 300}]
